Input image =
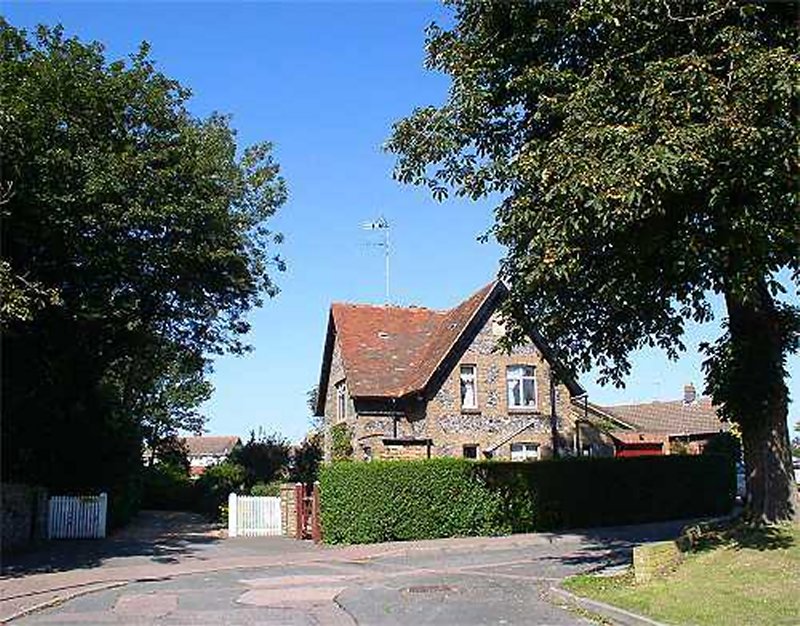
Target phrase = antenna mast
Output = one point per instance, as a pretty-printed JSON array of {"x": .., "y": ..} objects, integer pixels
[{"x": 382, "y": 224}]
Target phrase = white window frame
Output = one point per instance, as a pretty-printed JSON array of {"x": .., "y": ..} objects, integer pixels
[
  {"x": 516, "y": 373},
  {"x": 526, "y": 451},
  {"x": 473, "y": 377},
  {"x": 341, "y": 401}
]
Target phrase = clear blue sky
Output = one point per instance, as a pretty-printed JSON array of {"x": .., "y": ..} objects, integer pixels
[{"x": 324, "y": 82}]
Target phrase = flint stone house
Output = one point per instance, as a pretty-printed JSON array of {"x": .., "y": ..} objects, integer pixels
[
  {"x": 657, "y": 428},
  {"x": 411, "y": 382}
]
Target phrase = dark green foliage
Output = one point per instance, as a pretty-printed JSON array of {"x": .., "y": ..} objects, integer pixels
[
  {"x": 643, "y": 156},
  {"x": 304, "y": 464},
  {"x": 341, "y": 442},
  {"x": 167, "y": 487},
  {"x": 726, "y": 444},
  {"x": 214, "y": 486},
  {"x": 263, "y": 458},
  {"x": 266, "y": 489},
  {"x": 403, "y": 500},
  {"x": 134, "y": 244}
]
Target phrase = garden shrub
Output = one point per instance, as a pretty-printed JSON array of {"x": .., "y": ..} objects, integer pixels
[
  {"x": 214, "y": 486},
  {"x": 167, "y": 487},
  {"x": 341, "y": 442},
  {"x": 404, "y": 500},
  {"x": 266, "y": 489}
]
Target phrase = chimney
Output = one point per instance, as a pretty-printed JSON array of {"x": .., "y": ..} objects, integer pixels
[{"x": 689, "y": 394}]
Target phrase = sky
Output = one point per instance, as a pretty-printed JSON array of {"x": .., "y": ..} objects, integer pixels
[{"x": 324, "y": 82}]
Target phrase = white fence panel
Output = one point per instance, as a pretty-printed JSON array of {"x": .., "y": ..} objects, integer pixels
[
  {"x": 77, "y": 517},
  {"x": 253, "y": 516}
]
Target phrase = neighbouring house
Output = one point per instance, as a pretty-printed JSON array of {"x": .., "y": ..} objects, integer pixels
[
  {"x": 208, "y": 450},
  {"x": 412, "y": 382},
  {"x": 656, "y": 428}
]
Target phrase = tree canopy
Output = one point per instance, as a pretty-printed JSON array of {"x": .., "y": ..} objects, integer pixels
[
  {"x": 644, "y": 156},
  {"x": 135, "y": 240}
]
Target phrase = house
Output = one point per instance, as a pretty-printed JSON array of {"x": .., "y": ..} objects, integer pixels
[
  {"x": 208, "y": 450},
  {"x": 412, "y": 382},
  {"x": 655, "y": 428}
]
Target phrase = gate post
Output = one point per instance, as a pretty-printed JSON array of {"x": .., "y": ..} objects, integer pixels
[
  {"x": 299, "y": 500},
  {"x": 232, "y": 515},
  {"x": 316, "y": 528}
]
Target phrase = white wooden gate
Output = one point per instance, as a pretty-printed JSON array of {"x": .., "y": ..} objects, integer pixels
[
  {"x": 251, "y": 516},
  {"x": 77, "y": 517}
]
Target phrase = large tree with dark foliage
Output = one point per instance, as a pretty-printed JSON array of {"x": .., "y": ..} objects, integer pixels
[
  {"x": 644, "y": 157},
  {"x": 134, "y": 243}
]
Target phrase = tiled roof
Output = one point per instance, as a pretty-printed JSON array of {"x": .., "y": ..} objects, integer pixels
[
  {"x": 670, "y": 418},
  {"x": 391, "y": 351},
  {"x": 221, "y": 445}
]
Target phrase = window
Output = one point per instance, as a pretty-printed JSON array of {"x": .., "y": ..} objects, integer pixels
[
  {"x": 525, "y": 451},
  {"x": 587, "y": 450},
  {"x": 471, "y": 451},
  {"x": 367, "y": 450},
  {"x": 341, "y": 401},
  {"x": 521, "y": 382},
  {"x": 469, "y": 396}
]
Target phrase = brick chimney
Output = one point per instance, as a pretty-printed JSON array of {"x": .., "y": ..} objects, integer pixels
[{"x": 689, "y": 394}]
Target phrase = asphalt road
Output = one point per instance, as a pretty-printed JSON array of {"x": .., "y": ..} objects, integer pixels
[{"x": 457, "y": 581}]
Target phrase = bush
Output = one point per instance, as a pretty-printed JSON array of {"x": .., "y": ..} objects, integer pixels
[
  {"x": 266, "y": 489},
  {"x": 214, "y": 486},
  {"x": 167, "y": 487},
  {"x": 403, "y": 500}
]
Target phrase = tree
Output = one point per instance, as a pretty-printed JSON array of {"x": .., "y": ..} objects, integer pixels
[
  {"x": 263, "y": 457},
  {"x": 305, "y": 459},
  {"x": 134, "y": 240},
  {"x": 644, "y": 157},
  {"x": 169, "y": 404}
]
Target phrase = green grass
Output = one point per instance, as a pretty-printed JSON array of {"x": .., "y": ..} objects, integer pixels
[{"x": 744, "y": 577}]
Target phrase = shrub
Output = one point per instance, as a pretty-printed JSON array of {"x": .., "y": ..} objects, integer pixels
[
  {"x": 214, "y": 486},
  {"x": 341, "y": 442},
  {"x": 403, "y": 500},
  {"x": 167, "y": 487},
  {"x": 266, "y": 489}
]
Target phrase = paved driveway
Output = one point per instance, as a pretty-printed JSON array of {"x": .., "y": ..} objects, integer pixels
[{"x": 503, "y": 580}]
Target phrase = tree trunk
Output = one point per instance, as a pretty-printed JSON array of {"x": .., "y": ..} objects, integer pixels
[{"x": 757, "y": 398}]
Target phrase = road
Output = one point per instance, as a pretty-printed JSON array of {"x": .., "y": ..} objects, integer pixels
[{"x": 175, "y": 578}]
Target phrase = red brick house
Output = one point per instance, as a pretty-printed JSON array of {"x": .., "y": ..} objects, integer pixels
[
  {"x": 412, "y": 382},
  {"x": 205, "y": 451},
  {"x": 656, "y": 428}
]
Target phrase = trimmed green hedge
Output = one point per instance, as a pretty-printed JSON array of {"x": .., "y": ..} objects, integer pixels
[{"x": 404, "y": 500}]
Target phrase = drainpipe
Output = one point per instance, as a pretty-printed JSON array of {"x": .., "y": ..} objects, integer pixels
[
  {"x": 553, "y": 415},
  {"x": 394, "y": 417}
]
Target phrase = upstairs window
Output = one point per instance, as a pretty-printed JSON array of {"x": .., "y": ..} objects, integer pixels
[
  {"x": 469, "y": 396},
  {"x": 521, "y": 383},
  {"x": 341, "y": 401}
]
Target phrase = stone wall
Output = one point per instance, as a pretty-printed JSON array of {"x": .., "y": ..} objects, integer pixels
[
  {"x": 24, "y": 511},
  {"x": 288, "y": 510}
]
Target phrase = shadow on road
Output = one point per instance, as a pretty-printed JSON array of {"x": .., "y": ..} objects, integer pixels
[{"x": 156, "y": 536}]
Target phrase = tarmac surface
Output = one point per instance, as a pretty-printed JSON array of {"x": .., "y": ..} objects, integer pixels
[{"x": 173, "y": 569}]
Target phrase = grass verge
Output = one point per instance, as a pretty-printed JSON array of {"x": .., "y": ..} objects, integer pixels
[{"x": 743, "y": 576}]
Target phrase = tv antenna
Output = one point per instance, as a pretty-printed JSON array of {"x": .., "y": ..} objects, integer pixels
[{"x": 382, "y": 224}]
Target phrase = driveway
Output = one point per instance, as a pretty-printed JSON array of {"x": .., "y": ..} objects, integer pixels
[{"x": 204, "y": 579}]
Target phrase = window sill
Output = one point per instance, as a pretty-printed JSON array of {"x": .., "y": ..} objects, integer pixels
[
  {"x": 474, "y": 411},
  {"x": 523, "y": 409}
]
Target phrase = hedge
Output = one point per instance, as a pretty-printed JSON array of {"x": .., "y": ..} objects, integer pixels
[{"x": 405, "y": 500}]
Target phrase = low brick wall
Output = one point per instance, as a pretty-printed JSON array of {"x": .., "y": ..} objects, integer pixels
[
  {"x": 24, "y": 516},
  {"x": 655, "y": 559}
]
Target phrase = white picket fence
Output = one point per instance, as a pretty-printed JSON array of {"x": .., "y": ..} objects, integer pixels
[
  {"x": 77, "y": 517},
  {"x": 253, "y": 516}
]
